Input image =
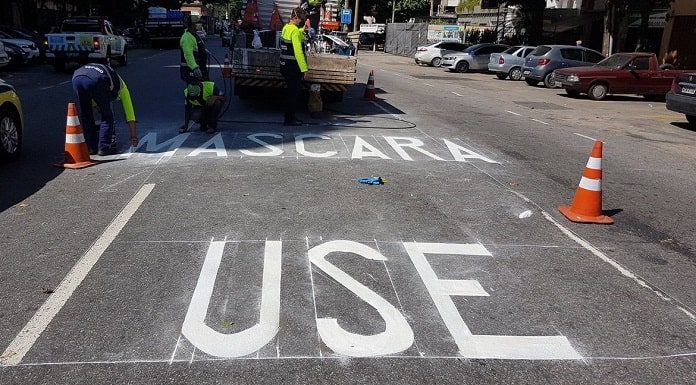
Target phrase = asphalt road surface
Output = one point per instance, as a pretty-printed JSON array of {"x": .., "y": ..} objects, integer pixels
[{"x": 253, "y": 255}]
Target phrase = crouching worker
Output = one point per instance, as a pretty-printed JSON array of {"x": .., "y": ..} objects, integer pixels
[
  {"x": 204, "y": 101},
  {"x": 99, "y": 85}
]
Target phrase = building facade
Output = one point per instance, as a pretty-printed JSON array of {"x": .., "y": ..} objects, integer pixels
[{"x": 680, "y": 33}]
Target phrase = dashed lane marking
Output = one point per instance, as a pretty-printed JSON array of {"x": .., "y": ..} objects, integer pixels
[
  {"x": 429, "y": 85},
  {"x": 457, "y": 94},
  {"x": 37, "y": 324},
  {"x": 540, "y": 121},
  {"x": 514, "y": 113}
]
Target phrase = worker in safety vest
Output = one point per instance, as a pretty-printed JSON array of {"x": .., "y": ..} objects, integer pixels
[
  {"x": 99, "y": 84},
  {"x": 293, "y": 64},
  {"x": 314, "y": 10},
  {"x": 204, "y": 101},
  {"x": 193, "y": 65}
]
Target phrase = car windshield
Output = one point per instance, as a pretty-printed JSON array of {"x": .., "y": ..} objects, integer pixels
[
  {"x": 541, "y": 50},
  {"x": 615, "y": 61},
  {"x": 511, "y": 50}
]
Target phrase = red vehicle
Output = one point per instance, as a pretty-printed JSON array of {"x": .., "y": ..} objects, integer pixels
[{"x": 634, "y": 73}]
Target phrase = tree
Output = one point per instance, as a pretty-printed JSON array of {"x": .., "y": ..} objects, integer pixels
[{"x": 532, "y": 15}]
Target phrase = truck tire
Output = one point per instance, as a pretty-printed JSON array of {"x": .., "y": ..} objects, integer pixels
[
  {"x": 58, "y": 65},
  {"x": 123, "y": 59}
]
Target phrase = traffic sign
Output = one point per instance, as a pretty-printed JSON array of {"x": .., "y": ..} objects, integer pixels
[{"x": 346, "y": 16}]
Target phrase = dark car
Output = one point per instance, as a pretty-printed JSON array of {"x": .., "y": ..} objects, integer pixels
[
  {"x": 20, "y": 33},
  {"x": 18, "y": 56},
  {"x": 682, "y": 97},
  {"x": 369, "y": 39},
  {"x": 540, "y": 64}
]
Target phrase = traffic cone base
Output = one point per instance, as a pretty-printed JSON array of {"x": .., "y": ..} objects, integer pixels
[
  {"x": 76, "y": 151},
  {"x": 579, "y": 218},
  {"x": 587, "y": 202}
]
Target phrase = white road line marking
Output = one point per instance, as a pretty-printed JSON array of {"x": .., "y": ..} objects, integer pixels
[
  {"x": 429, "y": 85},
  {"x": 540, "y": 121},
  {"x": 625, "y": 272},
  {"x": 456, "y": 93},
  {"x": 26, "y": 338},
  {"x": 386, "y": 111},
  {"x": 584, "y": 136},
  {"x": 175, "y": 348},
  {"x": 514, "y": 113},
  {"x": 314, "y": 299}
]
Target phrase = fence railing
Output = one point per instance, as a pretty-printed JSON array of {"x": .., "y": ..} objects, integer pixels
[{"x": 403, "y": 38}]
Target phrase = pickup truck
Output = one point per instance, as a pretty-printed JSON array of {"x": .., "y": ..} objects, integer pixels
[
  {"x": 634, "y": 73},
  {"x": 84, "y": 40}
]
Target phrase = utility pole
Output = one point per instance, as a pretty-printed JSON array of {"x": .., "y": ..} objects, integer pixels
[
  {"x": 355, "y": 18},
  {"x": 393, "y": 9}
]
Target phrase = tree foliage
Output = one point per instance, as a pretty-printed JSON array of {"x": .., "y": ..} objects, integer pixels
[{"x": 467, "y": 5}]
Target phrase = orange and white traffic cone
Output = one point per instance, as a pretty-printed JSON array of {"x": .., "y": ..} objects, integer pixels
[
  {"x": 587, "y": 202},
  {"x": 76, "y": 151},
  {"x": 370, "y": 88},
  {"x": 226, "y": 69}
]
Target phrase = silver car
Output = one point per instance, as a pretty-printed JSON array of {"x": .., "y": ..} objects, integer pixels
[
  {"x": 432, "y": 54},
  {"x": 510, "y": 62},
  {"x": 475, "y": 57}
]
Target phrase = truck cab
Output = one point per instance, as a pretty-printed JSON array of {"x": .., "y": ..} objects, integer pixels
[{"x": 83, "y": 40}]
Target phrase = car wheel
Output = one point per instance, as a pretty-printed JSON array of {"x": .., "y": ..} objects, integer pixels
[
  {"x": 10, "y": 135},
  {"x": 515, "y": 73},
  {"x": 531, "y": 82},
  {"x": 550, "y": 80},
  {"x": 692, "y": 120},
  {"x": 598, "y": 91},
  {"x": 462, "y": 66},
  {"x": 572, "y": 93},
  {"x": 123, "y": 59},
  {"x": 436, "y": 62},
  {"x": 501, "y": 75}
]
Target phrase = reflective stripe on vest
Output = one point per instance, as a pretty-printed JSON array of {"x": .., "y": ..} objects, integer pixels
[{"x": 286, "y": 50}]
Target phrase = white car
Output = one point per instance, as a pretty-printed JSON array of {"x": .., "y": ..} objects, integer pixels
[
  {"x": 432, "y": 54},
  {"x": 4, "y": 57},
  {"x": 475, "y": 57},
  {"x": 27, "y": 46}
]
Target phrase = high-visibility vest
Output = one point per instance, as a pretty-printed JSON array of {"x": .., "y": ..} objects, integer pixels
[
  {"x": 287, "y": 50},
  {"x": 198, "y": 94}
]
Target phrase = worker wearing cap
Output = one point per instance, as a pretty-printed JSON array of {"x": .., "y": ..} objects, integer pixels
[
  {"x": 100, "y": 84},
  {"x": 193, "y": 65},
  {"x": 204, "y": 102},
  {"x": 293, "y": 64}
]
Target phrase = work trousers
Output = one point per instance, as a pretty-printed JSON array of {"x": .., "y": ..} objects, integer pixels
[
  {"x": 88, "y": 90},
  {"x": 293, "y": 78}
]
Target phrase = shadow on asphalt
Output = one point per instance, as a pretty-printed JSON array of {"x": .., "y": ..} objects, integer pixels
[
  {"x": 684, "y": 125},
  {"x": 24, "y": 177}
]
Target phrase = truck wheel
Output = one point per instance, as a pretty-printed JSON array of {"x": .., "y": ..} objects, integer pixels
[
  {"x": 692, "y": 120},
  {"x": 123, "y": 59},
  {"x": 501, "y": 75},
  {"x": 598, "y": 91},
  {"x": 58, "y": 65}
]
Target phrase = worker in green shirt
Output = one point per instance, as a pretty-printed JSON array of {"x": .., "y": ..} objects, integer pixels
[
  {"x": 193, "y": 66},
  {"x": 204, "y": 101},
  {"x": 293, "y": 64},
  {"x": 100, "y": 84}
]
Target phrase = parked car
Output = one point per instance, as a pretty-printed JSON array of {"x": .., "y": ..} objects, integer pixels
[
  {"x": 4, "y": 57},
  {"x": 370, "y": 39},
  {"x": 509, "y": 62},
  {"x": 20, "y": 33},
  {"x": 11, "y": 123},
  {"x": 682, "y": 97},
  {"x": 84, "y": 40},
  {"x": 28, "y": 46},
  {"x": 635, "y": 73},
  {"x": 201, "y": 33},
  {"x": 432, "y": 54},
  {"x": 545, "y": 59},
  {"x": 475, "y": 57},
  {"x": 17, "y": 55}
]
